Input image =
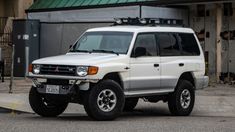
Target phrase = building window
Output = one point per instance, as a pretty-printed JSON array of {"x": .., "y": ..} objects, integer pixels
[
  {"x": 201, "y": 9},
  {"x": 228, "y": 9}
]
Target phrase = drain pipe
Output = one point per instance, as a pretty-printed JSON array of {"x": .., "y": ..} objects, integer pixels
[{"x": 12, "y": 68}]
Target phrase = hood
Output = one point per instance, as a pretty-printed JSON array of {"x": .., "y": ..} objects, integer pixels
[{"x": 79, "y": 59}]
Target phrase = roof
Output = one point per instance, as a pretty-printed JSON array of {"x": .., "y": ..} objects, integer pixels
[
  {"x": 142, "y": 29},
  {"x": 55, "y": 5},
  {"x": 42, "y": 5}
]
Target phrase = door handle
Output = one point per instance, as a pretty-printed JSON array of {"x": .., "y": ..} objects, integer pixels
[
  {"x": 181, "y": 64},
  {"x": 156, "y": 65}
]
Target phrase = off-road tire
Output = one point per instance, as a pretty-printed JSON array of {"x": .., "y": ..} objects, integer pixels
[
  {"x": 174, "y": 99},
  {"x": 130, "y": 104},
  {"x": 91, "y": 98},
  {"x": 39, "y": 107}
]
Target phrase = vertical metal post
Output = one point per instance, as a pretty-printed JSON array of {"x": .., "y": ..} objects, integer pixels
[
  {"x": 3, "y": 70},
  {"x": 218, "y": 41},
  {"x": 228, "y": 54},
  {"x": 12, "y": 68},
  {"x": 26, "y": 60}
]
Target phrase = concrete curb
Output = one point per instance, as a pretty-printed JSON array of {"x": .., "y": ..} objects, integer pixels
[
  {"x": 5, "y": 110},
  {"x": 14, "y": 102}
]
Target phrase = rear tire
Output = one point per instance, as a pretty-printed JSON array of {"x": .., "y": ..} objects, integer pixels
[
  {"x": 130, "y": 104},
  {"x": 104, "y": 101},
  {"x": 181, "y": 102},
  {"x": 44, "y": 107}
]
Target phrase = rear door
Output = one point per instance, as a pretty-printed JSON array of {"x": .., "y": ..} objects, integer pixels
[{"x": 171, "y": 64}]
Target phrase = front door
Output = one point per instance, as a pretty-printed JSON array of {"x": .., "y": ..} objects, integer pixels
[{"x": 144, "y": 65}]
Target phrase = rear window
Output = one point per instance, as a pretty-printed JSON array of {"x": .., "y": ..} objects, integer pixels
[
  {"x": 168, "y": 44},
  {"x": 189, "y": 44}
]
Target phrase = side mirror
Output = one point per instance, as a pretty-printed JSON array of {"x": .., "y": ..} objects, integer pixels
[{"x": 140, "y": 51}]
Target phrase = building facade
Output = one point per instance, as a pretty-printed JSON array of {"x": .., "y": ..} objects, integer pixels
[{"x": 9, "y": 10}]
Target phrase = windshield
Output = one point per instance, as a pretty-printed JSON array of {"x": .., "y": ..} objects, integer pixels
[{"x": 108, "y": 42}]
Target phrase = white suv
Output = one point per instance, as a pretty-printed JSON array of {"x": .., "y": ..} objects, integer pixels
[{"x": 108, "y": 69}]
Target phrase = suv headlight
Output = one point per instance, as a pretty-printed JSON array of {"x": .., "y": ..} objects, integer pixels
[
  {"x": 36, "y": 69},
  {"x": 83, "y": 71}
]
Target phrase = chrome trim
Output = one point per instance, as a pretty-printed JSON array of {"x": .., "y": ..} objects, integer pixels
[{"x": 147, "y": 92}]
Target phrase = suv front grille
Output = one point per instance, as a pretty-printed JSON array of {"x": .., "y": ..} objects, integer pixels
[{"x": 58, "y": 70}]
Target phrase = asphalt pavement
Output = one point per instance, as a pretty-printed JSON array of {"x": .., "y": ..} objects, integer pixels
[
  {"x": 214, "y": 111},
  {"x": 145, "y": 118}
]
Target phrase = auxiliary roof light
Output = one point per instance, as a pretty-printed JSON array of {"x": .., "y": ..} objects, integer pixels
[
  {"x": 157, "y": 21},
  {"x": 147, "y": 21},
  {"x": 143, "y": 21},
  {"x": 118, "y": 20},
  {"x": 169, "y": 22}
]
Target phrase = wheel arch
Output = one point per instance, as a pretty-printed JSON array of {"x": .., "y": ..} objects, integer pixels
[
  {"x": 115, "y": 76},
  {"x": 189, "y": 76}
]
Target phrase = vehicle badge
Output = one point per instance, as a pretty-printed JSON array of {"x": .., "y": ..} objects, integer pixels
[{"x": 57, "y": 69}]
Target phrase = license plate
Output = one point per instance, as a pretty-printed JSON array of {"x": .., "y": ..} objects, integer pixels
[{"x": 52, "y": 89}]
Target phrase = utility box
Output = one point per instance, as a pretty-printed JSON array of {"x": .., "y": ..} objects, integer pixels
[{"x": 26, "y": 39}]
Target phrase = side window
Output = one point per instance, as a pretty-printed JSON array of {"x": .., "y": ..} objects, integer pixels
[
  {"x": 168, "y": 44},
  {"x": 189, "y": 44},
  {"x": 147, "y": 42}
]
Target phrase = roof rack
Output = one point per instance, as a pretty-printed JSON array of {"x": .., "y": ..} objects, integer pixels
[{"x": 148, "y": 21}]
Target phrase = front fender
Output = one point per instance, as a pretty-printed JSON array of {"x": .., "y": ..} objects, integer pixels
[{"x": 104, "y": 69}]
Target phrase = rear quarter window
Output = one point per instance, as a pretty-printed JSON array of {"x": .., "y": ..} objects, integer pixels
[{"x": 189, "y": 44}]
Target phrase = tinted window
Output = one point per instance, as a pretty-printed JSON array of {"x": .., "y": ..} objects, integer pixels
[
  {"x": 189, "y": 44},
  {"x": 168, "y": 44},
  {"x": 147, "y": 41}
]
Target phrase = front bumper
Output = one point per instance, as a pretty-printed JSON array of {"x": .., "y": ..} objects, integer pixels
[
  {"x": 201, "y": 82},
  {"x": 34, "y": 76}
]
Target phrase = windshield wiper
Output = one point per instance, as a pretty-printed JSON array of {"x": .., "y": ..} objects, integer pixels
[
  {"x": 105, "y": 51},
  {"x": 86, "y": 51}
]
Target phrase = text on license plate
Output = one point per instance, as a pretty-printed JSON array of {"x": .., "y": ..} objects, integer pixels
[{"x": 53, "y": 89}]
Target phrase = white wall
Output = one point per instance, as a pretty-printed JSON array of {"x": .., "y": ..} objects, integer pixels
[
  {"x": 86, "y": 15},
  {"x": 108, "y": 14},
  {"x": 161, "y": 12}
]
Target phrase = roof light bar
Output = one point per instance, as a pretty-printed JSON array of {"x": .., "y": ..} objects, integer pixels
[{"x": 147, "y": 21}]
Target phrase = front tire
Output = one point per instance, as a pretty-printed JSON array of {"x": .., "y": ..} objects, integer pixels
[
  {"x": 104, "y": 101},
  {"x": 43, "y": 107},
  {"x": 181, "y": 102}
]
